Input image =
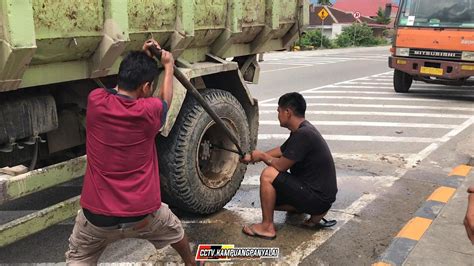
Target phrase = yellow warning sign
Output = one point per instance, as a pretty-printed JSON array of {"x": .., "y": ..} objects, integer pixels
[{"x": 323, "y": 14}]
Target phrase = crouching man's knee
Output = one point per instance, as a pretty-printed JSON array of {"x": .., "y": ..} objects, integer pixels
[{"x": 268, "y": 175}]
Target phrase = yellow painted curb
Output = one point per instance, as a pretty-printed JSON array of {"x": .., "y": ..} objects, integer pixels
[
  {"x": 461, "y": 170},
  {"x": 442, "y": 194},
  {"x": 381, "y": 264},
  {"x": 415, "y": 228}
]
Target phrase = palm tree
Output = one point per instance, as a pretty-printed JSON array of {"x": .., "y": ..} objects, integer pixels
[
  {"x": 325, "y": 2},
  {"x": 382, "y": 18}
]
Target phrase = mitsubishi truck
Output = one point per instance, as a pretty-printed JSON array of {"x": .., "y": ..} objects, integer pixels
[
  {"x": 53, "y": 53},
  {"x": 434, "y": 43}
]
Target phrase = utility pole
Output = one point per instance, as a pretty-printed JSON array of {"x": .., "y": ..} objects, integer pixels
[
  {"x": 322, "y": 32},
  {"x": 355, "y": 33}
]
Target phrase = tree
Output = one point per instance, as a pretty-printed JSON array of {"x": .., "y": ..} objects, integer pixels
[
  {"x": 325, "y": 2},
  {"x": 381, "y": 18},
  {"x": 358, "y": 35},
  {"x": 313, "y": 38}
]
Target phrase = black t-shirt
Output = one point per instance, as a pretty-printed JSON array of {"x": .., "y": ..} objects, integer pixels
[{"x": 314, "y": 164}]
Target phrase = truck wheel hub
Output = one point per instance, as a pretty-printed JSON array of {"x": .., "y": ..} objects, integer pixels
[{"x": 216, "y": 166}]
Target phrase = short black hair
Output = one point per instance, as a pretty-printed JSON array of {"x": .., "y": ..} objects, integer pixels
[
  {"x": 136, "y": 69},
  {"x": 293, "y": 101}
]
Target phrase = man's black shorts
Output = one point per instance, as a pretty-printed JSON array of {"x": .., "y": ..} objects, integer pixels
[{"x": 291, "y": 191}]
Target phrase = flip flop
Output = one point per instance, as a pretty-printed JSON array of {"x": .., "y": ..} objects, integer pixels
[
  {"x": 255, "y": 234},
  {"x": 323, "y": 223}
]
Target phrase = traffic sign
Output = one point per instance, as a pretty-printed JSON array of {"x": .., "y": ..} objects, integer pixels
[
  {"x": 323, "y": 14},
  {"x": 356, "y": 15}
]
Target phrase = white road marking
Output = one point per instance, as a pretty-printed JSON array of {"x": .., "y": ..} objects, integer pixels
[
  {"x": 319, "y": 237},
  {"x": 254, "y": 180},
  {"x": 440, "y": 94},
  {"x": 443, "y": 89},
  {"x": 377, "y": 114},
  {"x": 414, "y": 160},
  {"x": 325, "y": 63},
  {"x": 367, "y": 124},
  {"x": 346, "y": 85},
  {"x": 363, "y": 56},
  {"x": 395, "y": 107},
  {"x": 303, "y": 91},
  {"x": 316, "y": 60},
  {"x": 376, "y": 79},
  {"x": 286, "y": 68},
  {"x": 372, "y": 156},
  {"x": 336, "y": 58},
  {"x": 400, "y": 98},
  {"x": 358, "y": 138},
  {"x": 339, "y": 59},
  {"x": 447, "y": 92},
  {"x": 421, "y": 86},
  {"x": 288, "y": 64},
  {"x": 322, "y": 236},
  {"x": 388, "y": 84}
]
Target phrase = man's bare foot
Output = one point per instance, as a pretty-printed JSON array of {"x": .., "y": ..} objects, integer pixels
[
  {"x": 314, "y": 220},
  {"x": 260, "y": 230}
]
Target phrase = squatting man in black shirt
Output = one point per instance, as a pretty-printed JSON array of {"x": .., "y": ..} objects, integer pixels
[{"x": 310, "y": 185}]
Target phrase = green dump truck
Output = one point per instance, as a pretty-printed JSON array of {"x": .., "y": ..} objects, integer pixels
[{"x": 54, "y": 52}]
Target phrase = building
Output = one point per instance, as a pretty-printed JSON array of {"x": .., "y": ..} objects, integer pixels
[
  {"x": 368, "y": 8},
  {"x": 338, "y": 20}
]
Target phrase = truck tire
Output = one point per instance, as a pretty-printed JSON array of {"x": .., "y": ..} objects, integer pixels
[
  {"x": 402, "y": 81},
  {"x": 195, "y": 176}
]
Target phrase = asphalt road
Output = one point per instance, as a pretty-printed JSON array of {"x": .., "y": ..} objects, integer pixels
[{"x": 391, "y": 151}]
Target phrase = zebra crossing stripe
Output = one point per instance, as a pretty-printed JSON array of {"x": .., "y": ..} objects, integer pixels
[
  {"x": 281, "y": 69},
  {"x": 356, "y": 138},
  {"x": 429, "y": 93},
  {"x": 369, "y": 124},
  {"x": 377, "y": 114},
  {"x": 386, "y": 106}
]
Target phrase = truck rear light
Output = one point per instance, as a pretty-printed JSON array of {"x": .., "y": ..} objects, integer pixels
[
  {"x": 402, "y": 52},
  {"x": 467, "y": 56},
  {"x": 467, "y": 67}
]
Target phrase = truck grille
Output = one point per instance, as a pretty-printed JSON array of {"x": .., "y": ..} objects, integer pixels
[{"x": 436, "y": 54}]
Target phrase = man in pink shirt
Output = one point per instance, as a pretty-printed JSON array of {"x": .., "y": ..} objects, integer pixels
[{"x": 121, "y": 193}]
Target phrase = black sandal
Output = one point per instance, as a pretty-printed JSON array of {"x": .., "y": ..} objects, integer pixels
[{"x": 322, "y": 224}]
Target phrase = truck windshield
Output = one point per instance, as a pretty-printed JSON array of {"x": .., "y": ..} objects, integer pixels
[{"x": 437, "y": 13}]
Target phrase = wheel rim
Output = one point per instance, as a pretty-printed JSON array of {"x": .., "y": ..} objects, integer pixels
[{"x": 216, "y": 166}]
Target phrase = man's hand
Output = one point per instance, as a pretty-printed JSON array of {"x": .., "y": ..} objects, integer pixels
[
  {"x": 149, "y": 43},
  {"x": 254, "y": 157},
  {"x": 166, "y": 89},
  {"x": 257, "y": 156},
  {"x": 247, "y": 159},
  {"x": 469, "y": 219},
  {"x": 167, "y": 60}
]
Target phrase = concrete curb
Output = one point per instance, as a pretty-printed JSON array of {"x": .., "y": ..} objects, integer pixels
[{"x": 413, "y": 231}]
